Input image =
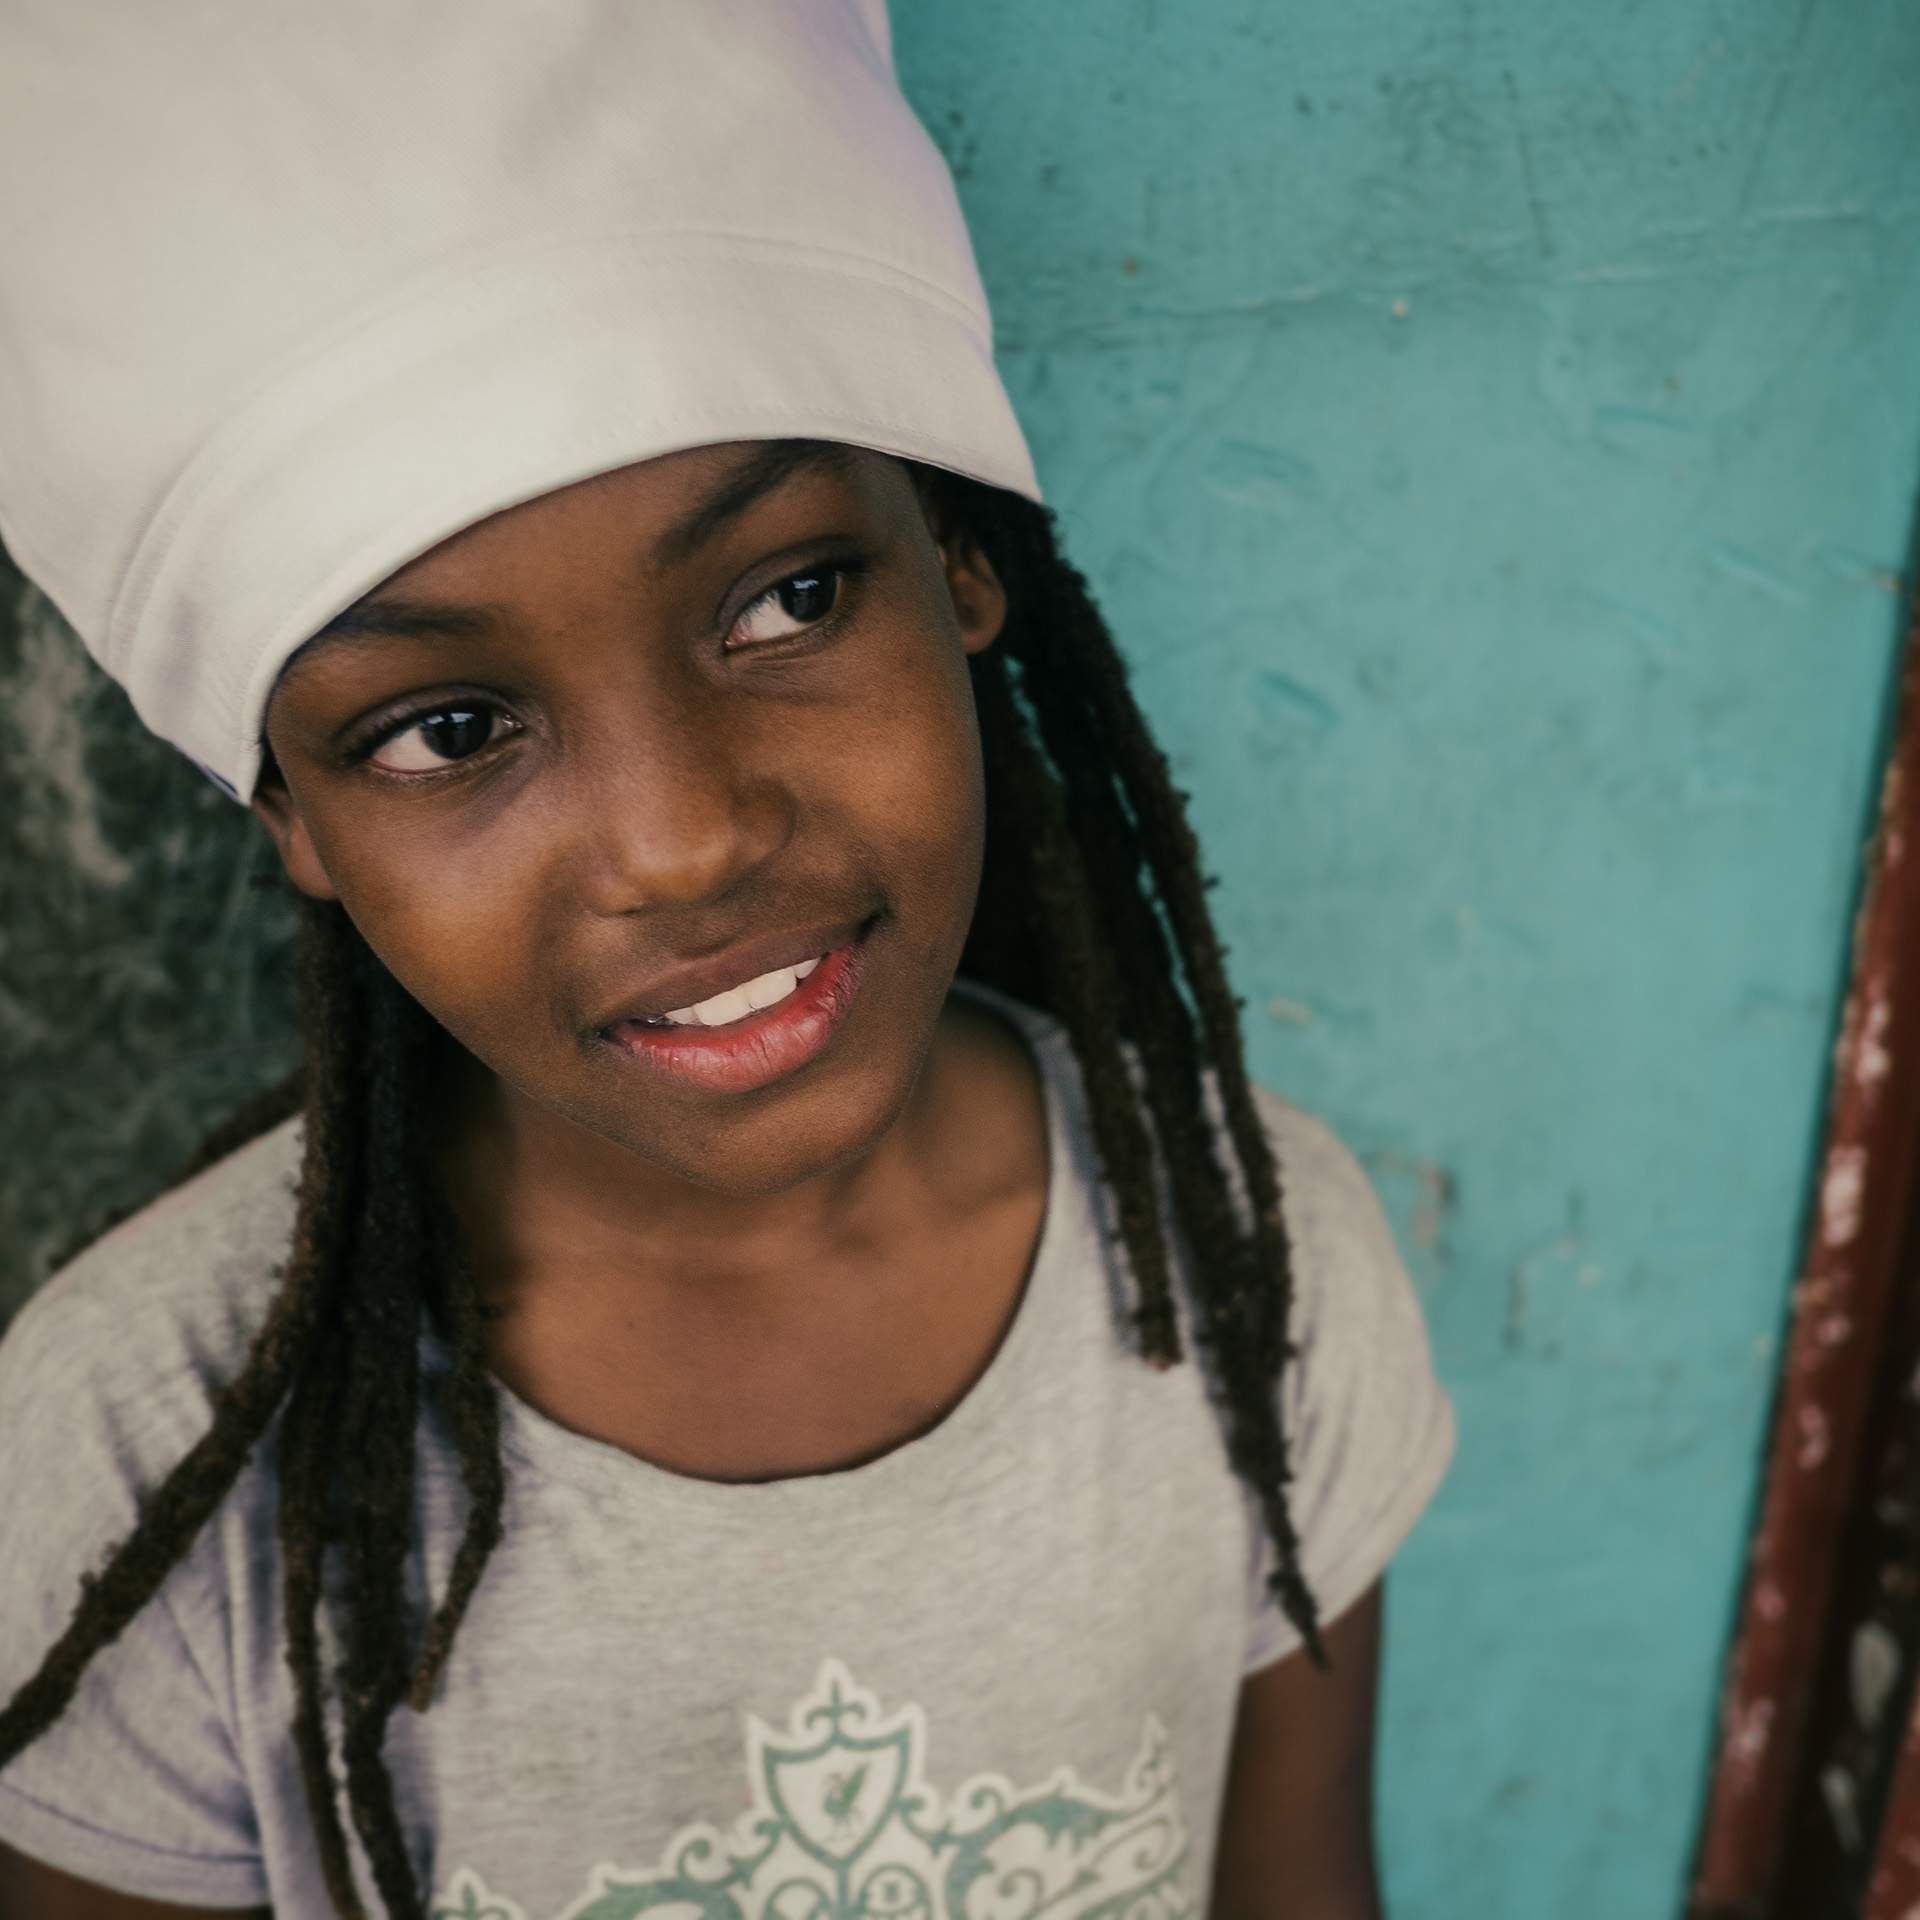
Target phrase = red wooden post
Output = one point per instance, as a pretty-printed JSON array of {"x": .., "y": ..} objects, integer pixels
[{"x": 1828, "y": 1373}]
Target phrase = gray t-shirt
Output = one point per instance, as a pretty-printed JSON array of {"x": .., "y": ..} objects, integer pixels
[{"x": 989, "y": 1676}]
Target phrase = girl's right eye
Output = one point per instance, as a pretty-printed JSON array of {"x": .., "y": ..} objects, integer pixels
[{"x": 439, "y": 738}]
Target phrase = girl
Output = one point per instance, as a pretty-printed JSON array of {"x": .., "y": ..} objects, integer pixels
[{"x": 680, "y": 1406}]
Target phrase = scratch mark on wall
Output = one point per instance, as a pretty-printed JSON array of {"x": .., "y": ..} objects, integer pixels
[
  {"x": 1524, "y": 142},
  {"x": 1775, "y": 106},
  {"x": 1855, "y": 568},
  {"x": 1252, "y": 475},
  {"x": 1419, "y": 1194},
  {"x": 1281, "y": 694},
  {"x": 1744, "y": 570},
  {"x": 1563, "y": 1249}
]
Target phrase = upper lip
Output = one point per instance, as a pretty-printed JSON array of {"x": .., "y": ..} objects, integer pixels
[{"x": 731, "y": 966}]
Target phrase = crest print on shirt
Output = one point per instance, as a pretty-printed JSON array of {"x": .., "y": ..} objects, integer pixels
[{"x": 844, "y": 1827}]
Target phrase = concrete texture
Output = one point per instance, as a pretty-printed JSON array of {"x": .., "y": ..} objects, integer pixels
[
  {"x": 145, "y": 942},
  {"x": 1493, "y": 431}
]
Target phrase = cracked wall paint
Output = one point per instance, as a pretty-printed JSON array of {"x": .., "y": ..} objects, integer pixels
[{"x": 1494, "y": 432}]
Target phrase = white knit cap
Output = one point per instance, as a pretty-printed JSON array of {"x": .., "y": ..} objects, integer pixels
[{"x": 294, "y": 289}]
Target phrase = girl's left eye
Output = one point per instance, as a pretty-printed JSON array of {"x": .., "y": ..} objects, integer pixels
[
  {"x": 440, "y": 738},
  {"x": 790, "y": 606}
]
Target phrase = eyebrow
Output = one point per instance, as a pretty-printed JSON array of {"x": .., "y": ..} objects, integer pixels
[
  {"x": 368, "y": 622},
  {"x": 777, "y": 462},
  {"x": 372, "y": 619}
]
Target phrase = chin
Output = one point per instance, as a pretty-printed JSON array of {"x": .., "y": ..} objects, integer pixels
[{"x": 756, "y": 1145}]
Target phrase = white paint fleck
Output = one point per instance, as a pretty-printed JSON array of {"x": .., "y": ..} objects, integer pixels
[
  {"x": 1770, "y": 1603},
  {"x": 1873, "y": 1666},
  {"x": 1872, "y": 1062},
  {"x": 1840, "y": 1192},
  {"x": 1747, "y": 1736},
  {"x": 1816, "y": 1439},
  {"x": 1841, "y": 1792},
  {"x": 1834, "y": 1330}
]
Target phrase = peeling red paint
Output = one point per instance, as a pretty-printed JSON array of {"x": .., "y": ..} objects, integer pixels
[{"x": 1826, "y": 1383}]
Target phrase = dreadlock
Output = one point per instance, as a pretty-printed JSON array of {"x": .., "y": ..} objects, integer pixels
[{"x": 1092, "y": 905}]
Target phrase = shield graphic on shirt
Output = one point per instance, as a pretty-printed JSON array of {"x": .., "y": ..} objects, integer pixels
[{"x": 835, "y": 1796}]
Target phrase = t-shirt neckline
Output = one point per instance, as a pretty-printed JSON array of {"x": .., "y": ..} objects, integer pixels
[{"x": 917, "y": 1466}]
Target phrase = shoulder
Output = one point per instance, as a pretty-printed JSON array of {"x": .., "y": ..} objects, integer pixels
[
  {"x": 108, "y": 1378},
  {"x": 1352, "y": 1297},
  {"x": 1370, "y": 1429},
  {"x": 1348, "y": 1276},
  {"x": 113, "y": 1365}
]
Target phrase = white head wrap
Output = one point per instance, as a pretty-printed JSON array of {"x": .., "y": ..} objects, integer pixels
[{"x": 294, "y": 289}]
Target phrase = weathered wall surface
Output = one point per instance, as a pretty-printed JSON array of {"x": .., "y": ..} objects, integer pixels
[
  {"x": 144, "y": 948},
  {"x": 1494, "y": 431}
]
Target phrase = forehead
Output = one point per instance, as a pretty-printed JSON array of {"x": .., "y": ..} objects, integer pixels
[{"x": 665, "y": 511}]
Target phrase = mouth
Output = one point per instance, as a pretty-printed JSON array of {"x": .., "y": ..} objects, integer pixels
[{"x": 753, "y": 1032}]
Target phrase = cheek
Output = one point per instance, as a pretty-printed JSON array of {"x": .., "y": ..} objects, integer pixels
[
  {"x": 454, "y": 913},
  {"x": 916, "y": 769}
]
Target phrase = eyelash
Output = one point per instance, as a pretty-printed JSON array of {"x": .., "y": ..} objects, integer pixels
[
  {"x": 838, "y": 573},
  {"x": 423, "y": 717}
]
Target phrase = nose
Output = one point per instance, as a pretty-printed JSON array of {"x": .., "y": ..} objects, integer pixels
[{"x": 674, "y": 809}]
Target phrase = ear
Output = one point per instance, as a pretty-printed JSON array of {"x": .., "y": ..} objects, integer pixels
[
  {"x": 273, "y": 806},
  {"x": 979, "y": 600}
]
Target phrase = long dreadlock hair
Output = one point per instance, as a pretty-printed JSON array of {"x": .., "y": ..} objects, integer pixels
[{"x": 1092, "y": 905}]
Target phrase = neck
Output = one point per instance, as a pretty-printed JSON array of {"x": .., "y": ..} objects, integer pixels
[
  {"x": 536, "y": 1190},
  {"x": 753, "y": 1336}
]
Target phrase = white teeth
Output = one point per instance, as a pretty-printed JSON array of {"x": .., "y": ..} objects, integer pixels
[
  {"x": 768, "y": 990},
  {"x": 724, "y": 1008}
]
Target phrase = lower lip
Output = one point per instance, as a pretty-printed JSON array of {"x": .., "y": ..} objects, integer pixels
[{"x": 763, "y": 1047}]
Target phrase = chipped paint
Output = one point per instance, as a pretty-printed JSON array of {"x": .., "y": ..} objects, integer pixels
[
  {"x": 1873, "y": 1670},
  {"x": 1871, "y": 1060},
  {"x": 1840, "y": 1195},
  {"x": 1829, "y": 1381},
  {"x": 1814, "y": 1434}
]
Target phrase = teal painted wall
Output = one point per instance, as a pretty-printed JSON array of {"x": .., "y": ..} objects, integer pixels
[{"x": 1494, "y": 431}]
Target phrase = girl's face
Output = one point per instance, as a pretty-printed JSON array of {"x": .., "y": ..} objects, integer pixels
[{"x": 662, "y": 793}]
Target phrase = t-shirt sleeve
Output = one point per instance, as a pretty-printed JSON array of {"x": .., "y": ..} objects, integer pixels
[
  {"x": 1369, "y": 1429},
  {"x": 137, "y": 1786}
]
